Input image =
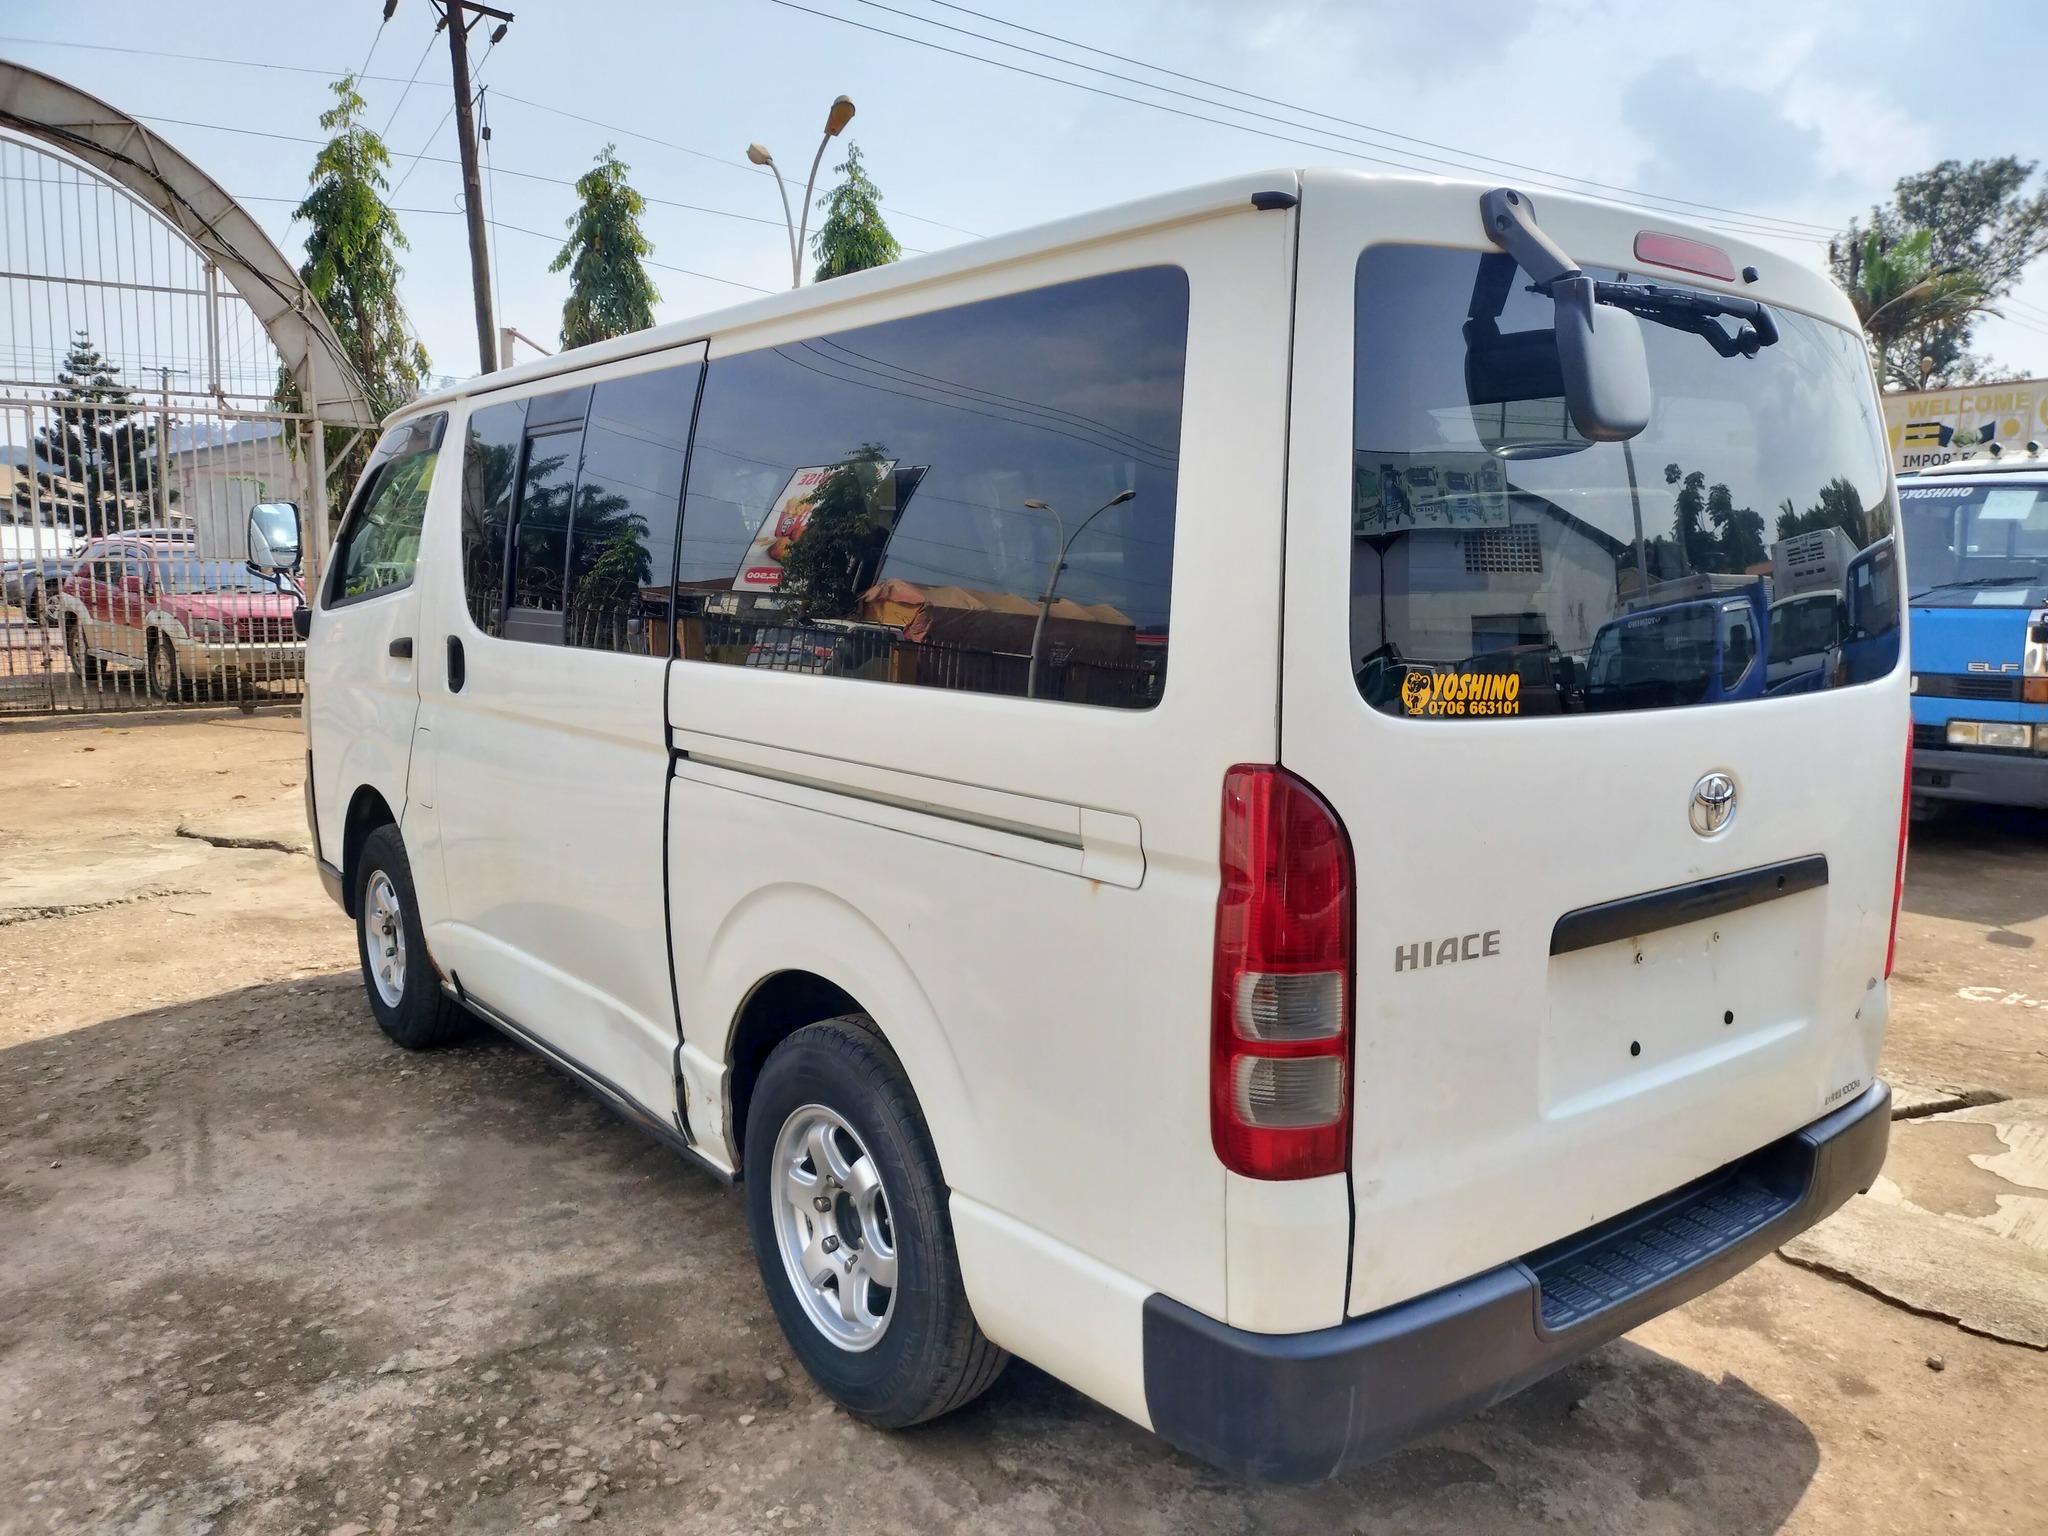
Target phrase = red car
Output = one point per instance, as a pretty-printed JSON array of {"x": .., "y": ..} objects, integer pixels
[{"x": 191, "y": 624}]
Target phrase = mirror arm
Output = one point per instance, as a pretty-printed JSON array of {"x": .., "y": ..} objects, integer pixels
[{"x": 1510, "y": 220}]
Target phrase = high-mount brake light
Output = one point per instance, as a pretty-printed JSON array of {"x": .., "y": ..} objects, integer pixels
[
  {"x": 1899, "y": 873},
  {"x": 1281, "y": 1010},
  {"x": 1683, "y": 255}
]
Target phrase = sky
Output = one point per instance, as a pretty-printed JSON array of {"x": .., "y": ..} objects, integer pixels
[{"x": 1791, "y": 115}]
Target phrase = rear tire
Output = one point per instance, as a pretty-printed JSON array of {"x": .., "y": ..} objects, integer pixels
[
  {"x": 398, "y": 975},
  {"x": 905, "y": 1347}
]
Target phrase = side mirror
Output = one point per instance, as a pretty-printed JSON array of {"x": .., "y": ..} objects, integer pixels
[
  {"x": 1606, "y": 371},
  {"x": 274, "y": 537},
  {"x": 302, "y": 621}
]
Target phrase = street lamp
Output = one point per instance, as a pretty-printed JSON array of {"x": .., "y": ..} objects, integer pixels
[
  {"x": 1052, "y": 580},
  {"x": 836, "y": 119}
]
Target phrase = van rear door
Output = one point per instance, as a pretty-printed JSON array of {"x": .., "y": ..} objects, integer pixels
[{"x": 1524, "y": 1066}]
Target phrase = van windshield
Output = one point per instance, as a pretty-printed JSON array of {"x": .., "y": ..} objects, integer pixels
[{"x": 1503, "y": 565}]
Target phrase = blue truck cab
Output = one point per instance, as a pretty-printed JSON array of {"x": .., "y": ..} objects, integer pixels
[
  {"x": 1976, "y": 536},
  {"x": 1703, "y": 650}
]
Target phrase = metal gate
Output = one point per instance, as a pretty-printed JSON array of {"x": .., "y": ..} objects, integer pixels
[{"x": 138, "y": 425}]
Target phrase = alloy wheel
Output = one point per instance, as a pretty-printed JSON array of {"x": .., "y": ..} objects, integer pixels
[
  {"x": 384, "y": 930},
  {"x": 832, "y": 1225}
]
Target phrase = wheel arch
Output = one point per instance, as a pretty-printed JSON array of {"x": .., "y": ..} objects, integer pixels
[
  {"x": 788, "y": 956},
  {"x": 367, "y": 811}
]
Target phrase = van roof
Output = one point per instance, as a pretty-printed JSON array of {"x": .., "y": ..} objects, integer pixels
[{"x": 1230, "y": 195}]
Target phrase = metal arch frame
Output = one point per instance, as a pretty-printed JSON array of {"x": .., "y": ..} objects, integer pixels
[{"x": 42, "y": 107}]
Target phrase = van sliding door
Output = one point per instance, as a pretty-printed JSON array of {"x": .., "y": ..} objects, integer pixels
[{"x": 552, "y": 758}]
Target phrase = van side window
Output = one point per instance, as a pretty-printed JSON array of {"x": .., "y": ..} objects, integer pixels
[
  {"x": 979, "y": 498},
  {"x": 490, "y": 465},
  {"x": 380, "y": 541},
  {"x": 622, "y": 531}
]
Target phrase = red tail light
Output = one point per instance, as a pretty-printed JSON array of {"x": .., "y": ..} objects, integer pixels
[
  {"x": 1899, "y": 874},
  {"x": 1280, "y": 1016}
]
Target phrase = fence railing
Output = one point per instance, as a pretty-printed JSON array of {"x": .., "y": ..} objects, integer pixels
[{"x": 170, "y": 483}]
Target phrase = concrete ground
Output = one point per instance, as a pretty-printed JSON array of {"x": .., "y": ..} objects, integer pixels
[{"x": 262, "y": 1272}]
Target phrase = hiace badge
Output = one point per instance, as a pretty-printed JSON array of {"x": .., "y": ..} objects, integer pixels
[{"x": 1424, "y": 953}]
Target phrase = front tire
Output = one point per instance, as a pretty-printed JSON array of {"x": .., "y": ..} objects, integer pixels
[
  {"x": 847, "y": 1208},
  {"x": 399, "y": 976},
  {"x": 82, "y": 660},
  {"x": 165, "y": 679}
]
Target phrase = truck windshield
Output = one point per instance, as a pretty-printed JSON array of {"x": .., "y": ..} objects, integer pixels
[
  {"x": 1977, "y": 544},
  {"x": 1503, "y": 565}
]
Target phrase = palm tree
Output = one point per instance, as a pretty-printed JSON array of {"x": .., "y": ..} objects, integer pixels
[{"x": 1900, "y": 295}]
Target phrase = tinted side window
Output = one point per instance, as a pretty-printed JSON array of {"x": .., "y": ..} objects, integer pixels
[
  {"x": 980, "y": 498},
  {"x": 490, "y": 465},
  {"x": 540, "y": 538},
  {"x": 622, "y": 531},
  {"x": 380, "y": 543}
]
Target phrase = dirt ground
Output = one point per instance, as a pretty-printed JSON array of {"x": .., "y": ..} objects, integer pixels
[{"x": 262, "y": 1272}]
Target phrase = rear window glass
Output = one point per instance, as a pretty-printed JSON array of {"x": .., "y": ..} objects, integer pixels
[{"x": 1502, "y": 565}]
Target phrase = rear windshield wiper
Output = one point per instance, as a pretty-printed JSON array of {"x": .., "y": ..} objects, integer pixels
[{"x": 1690, "y": 309}]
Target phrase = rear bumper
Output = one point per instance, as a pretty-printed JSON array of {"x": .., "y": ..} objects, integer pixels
[
  {"x": 1296, "y": 1407},
  {"x": 1985, "y": 778}
]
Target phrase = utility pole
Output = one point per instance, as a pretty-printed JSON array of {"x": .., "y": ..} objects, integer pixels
[{"x": 457, "y": 23}]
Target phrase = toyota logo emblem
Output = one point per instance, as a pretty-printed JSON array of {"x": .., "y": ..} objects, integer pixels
[{"x": 1713, "y": 804}]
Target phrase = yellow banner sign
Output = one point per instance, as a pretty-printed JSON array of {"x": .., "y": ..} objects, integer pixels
[{"x": 1937, "y": 426}]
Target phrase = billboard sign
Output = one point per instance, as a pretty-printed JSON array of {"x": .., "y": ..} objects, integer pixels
[{"x": 1938, "y": 426}]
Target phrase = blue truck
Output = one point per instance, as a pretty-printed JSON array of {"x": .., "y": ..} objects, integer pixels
[{"x": 1976, "y": 536}]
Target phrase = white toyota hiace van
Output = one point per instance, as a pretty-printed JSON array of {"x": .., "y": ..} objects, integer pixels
[{"x": 1191, "y": 794}]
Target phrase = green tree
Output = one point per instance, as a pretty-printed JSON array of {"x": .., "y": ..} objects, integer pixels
[
  {"x": 821, "y": 576},
  {"x": 1915, "y": 314},
  {"x": 1982, "y": 231},
  {"x": 610, "y": 293},
  {"x": 95, "y": 464},
  {"x": 1840, "y": 506},
  {"x": 1710, "y": 530},
  {"x": 853, "y": 236},
  {"x": 353, "y": 273},
  {"x": 1738, "y": 532}
]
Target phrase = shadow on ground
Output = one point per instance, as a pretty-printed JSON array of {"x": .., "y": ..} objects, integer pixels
[
  {"x": 266, "y": 1273},
  {"x": 1980, "y": 864}
]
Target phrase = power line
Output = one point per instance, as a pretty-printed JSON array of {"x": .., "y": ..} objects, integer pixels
[
  {"x": 893, "y": 212},
  {"x": 1745, "y": 224},
  {"x": 489, "y": 49},
  {"x": 375, "y": 38},
  {"x": 558, "y": 181},
  {"x": 456, "y": 213},
  {"x": 1462, "y": 157},
  {"x": 540, "y": 106},
  {"x": 665, "y": 266},
  {"x": 409, "y": 84}
]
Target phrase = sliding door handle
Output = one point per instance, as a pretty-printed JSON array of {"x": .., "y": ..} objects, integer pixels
[{"x": 458, "y": 665}]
